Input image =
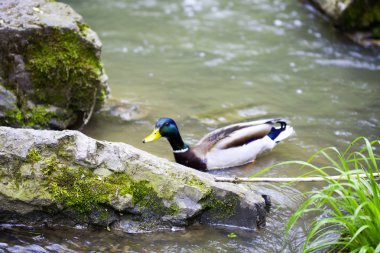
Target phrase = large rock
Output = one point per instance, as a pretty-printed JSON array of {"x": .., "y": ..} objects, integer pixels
[
  {"x": 49, "y": 61},
  {"x": 65, "y": 177},
  {"x": 360, "y": 20}
]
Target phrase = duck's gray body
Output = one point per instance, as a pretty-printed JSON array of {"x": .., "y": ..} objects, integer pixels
[
  {"x": 226, "y": 147},
  {"x": 232, "y": 146}
]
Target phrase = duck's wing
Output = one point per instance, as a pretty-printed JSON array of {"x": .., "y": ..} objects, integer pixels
[{"x": 236, "y": 135}]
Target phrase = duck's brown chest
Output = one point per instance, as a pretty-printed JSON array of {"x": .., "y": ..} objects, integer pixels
[{"x": 189, "y": 159}]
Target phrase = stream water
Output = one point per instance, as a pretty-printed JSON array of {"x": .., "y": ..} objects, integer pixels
[{"x": 208, "y": 63}]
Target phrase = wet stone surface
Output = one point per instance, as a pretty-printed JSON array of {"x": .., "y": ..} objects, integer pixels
[{"x": 67, "y": 178}]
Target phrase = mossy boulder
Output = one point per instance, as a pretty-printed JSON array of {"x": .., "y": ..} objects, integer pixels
[
  {"x": 50, "y": 61},
  {"x": 64, "y": 177},
  {"x": 359, "y": 19}
]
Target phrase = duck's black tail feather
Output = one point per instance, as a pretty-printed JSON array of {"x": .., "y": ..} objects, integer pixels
[{"x": 280, "y": 133}]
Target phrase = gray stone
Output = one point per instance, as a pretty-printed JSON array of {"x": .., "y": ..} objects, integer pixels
[
  {"x": 51, "y": 58},
  {"x": 70, "y": 178},
  {"x": 123, "y": 202},
  {"x": 8, "y": 102}
]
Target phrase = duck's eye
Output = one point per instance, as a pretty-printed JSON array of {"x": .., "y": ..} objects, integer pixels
[{"x": 166, "y": 124}]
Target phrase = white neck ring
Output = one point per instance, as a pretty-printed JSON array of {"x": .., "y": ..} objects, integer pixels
[{"x": 181, "y": 150}]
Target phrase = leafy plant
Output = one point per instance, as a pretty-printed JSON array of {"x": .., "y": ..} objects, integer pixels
[
  {"x": 231, "y": 235},
  {"x": 349, "y": 207}
]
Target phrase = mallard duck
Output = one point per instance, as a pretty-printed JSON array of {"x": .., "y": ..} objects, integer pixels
[{"x": 226, "y": 147}]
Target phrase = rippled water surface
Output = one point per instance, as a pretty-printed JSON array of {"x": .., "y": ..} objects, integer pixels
[{"x": 212, "y": 62}]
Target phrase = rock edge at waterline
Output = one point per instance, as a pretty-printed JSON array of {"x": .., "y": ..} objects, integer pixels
[{"x": 67, "y": 178}]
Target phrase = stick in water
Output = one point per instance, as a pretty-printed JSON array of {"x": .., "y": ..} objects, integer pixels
[{"x": 286, "y": 179}]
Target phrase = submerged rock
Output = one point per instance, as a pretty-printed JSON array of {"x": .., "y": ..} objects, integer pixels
[
  {"x": 359, "y": 20},
  {"x": 121, "y": 111},
  {"x": 49, "y": 61},
  {"x": 52, "y": 177}
]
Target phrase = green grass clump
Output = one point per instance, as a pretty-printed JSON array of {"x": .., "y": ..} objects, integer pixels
[{"x": 349, "y": 208}]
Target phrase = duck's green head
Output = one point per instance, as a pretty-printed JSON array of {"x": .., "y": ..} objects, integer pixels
[{"x": 165, "y": 127}]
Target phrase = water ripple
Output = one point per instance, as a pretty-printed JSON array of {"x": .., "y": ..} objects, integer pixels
[{"x": 348, "y": 64}]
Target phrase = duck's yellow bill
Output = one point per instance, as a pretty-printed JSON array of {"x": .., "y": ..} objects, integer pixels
[{"x": 155, "y": 135}]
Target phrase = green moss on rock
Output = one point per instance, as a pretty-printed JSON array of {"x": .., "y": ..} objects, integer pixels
[
  {"x": 193, "y": 181},
  {"x": 83, "y": 28},
  {"x": 49, "y": 59},
  {"x": 174, "y": 209},
  {"x": 221, "y": 208},
  {"x": 34, "y": 156},
  {"x": 361, "y": 15},
  {"x": 77, "y": 188},
  {"x": 83, "y": 191},
  {"x": 37, "y": 117},
  {"x": 64, "y": 70},
  {"x": 12, "y": 118}
]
